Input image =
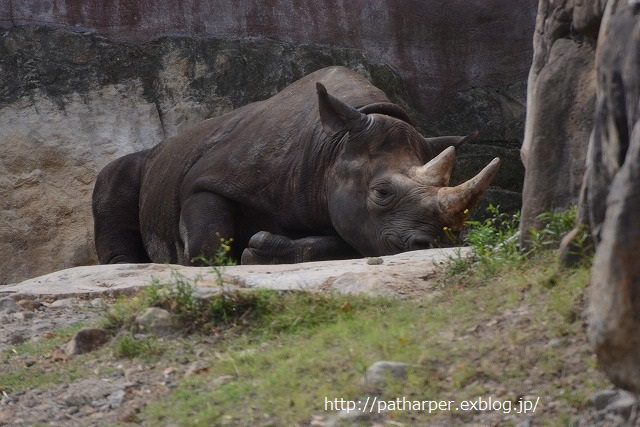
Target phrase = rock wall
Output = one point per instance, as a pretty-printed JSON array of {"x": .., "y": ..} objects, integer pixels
[
  {"x": 612, "y": 200},
  {"x": 82, "y": 83},
  {"x": 560, "y": 101},
  {"x": 439, "y": 47},
  {"x": 582, "y": 144}
]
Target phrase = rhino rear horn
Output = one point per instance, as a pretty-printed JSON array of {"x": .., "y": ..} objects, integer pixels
[
  {"x": 456, "y": 202},
  {"x": 437, "y": 171},
  {"x": 438, "y": 144},
  {"x": 335, "y": 115}
]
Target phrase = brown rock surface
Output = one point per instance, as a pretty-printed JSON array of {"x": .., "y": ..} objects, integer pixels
[
  {"x": 614, "y": 203},
  {"x": 587, "y": 58},
  {"x": 560, "y": 103},
  {"x": 438, "y": 46}
]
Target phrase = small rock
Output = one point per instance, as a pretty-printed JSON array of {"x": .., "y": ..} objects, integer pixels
[
  {"x": 30, "y": 305},
  {"x": 75, "y": 400},
  {"x": 374, "y": 261},
  {"x": 378, "y": 373},
  {"x": 6, "y": 416},
  {"x": 8, "y": 306},
  {"x": 21, "y": 316},
  {"x": 86, "y": 340},
  {"x": 169, "y": 371},
  {"x": 602, "y": 399},
  {"x": 527, "y": 422},
  {"x": 196, "y": 368},
  {"x": 623, "y": 405},
  {"x": 97, "y": 303},
  {"x": 58, "y": 355},
  {"x": 116, "y": 398},
  {"x": 158, "y": 321},
  {"x": 63, "y": 303}
]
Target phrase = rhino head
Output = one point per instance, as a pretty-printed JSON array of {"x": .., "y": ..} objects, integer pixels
[{"x": 387, "y": 190}]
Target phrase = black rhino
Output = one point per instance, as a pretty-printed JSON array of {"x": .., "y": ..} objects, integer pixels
[{"x": 328, "y": 168}]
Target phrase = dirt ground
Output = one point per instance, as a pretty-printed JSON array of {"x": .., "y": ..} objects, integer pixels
[{"x": 115, "y": 390}]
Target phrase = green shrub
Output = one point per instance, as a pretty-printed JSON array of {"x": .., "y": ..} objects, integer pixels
[
  {"x": 130, "y": 346},
  {"x": 554, "y": 226},
  {"x": 495, "y": 242}
]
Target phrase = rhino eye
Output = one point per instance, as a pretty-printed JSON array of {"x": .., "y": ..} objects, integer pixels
[{"x": 382, "y": 194}]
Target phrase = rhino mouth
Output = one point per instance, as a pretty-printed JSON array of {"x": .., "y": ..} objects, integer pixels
[
  {"x": 395, "y": 244},
  {"x": 420, "y": 242}
]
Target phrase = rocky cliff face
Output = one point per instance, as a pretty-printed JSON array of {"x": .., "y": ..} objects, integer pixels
[
  {"x": 83, "y": 84},
  {"x": 582, "y": 144},
  {"x": 439, "y": 47},
  {"x": 612, "y": 199},
  {"x": 560, "y": 102}
]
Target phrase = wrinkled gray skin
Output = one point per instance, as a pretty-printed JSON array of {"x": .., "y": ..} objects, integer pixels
[{"x": 302, "y": 176}]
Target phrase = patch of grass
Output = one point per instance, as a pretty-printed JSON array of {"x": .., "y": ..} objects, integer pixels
[
  {"x": 26, "y": 366},
  {"x": 123, "y": 313},
  {"x": 507, "y": 337},
  {"x": 495, "y": 242},
  {"x": 130, "y": 346},
  {"x": 178, "y": 296}
]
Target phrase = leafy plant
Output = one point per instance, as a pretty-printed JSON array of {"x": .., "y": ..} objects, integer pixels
[
  {"x": 130, "y": 346},
  {"x": 495, "y": 242},
  {"x": 177, "y": 297},
  {"x": 220, "y": 259},
  {"x": 555, "y": 225},
  {"x": 123, "y": 313}
]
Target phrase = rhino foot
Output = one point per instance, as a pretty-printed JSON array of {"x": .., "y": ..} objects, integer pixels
[{"x": 267, "y": 248}]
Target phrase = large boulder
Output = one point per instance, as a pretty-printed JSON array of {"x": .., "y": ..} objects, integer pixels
[
  {"x": 560, "y": 102},
  {"x": 613, "y": 202},
  {"x": 586, "y": 149},
  {"x": 82, "y": 85}
]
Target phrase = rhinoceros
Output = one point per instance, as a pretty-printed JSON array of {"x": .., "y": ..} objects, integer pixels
[{"x": 328, "y": 168}]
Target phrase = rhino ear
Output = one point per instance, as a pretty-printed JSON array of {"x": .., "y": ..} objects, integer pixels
[
  {"x": 437, "y": 145},
  {"x": 337, "y": 116}
]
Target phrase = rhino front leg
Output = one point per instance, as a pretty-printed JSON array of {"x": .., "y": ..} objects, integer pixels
[
  {"x": 267, "y": 248},
  {"x": 205, "y": 218}
]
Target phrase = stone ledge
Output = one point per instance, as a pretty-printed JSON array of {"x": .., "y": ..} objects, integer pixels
[{"x": 403, "y": 275}]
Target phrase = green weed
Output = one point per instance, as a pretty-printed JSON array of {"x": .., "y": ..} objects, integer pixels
[
  {"x": 495, "y": 241},
  {"x": 554, "y": 226},
  {"x": 130, "y": 346}
]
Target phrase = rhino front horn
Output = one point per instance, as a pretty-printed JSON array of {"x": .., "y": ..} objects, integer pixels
[{"x": 456, "y": 202}]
